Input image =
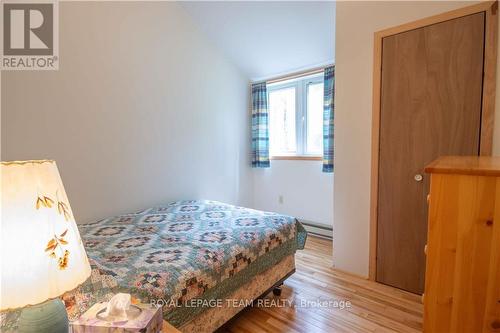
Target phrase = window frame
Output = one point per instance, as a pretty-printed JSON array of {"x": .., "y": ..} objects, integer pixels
[{"x": 301, "y": 98}]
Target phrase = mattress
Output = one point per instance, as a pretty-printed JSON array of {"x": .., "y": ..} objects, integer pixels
[{"x": 186, "y": 250}]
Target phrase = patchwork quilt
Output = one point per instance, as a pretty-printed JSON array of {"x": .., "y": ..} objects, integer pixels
[{"x": 189, "y": 249}]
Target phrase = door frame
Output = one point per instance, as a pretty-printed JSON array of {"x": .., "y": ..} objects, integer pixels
[{"x": 490, "y": 8}]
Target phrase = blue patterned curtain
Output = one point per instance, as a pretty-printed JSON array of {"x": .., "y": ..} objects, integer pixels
[
  {"x": 328, "y": 109},
  {"x": 260, "y": 126}
]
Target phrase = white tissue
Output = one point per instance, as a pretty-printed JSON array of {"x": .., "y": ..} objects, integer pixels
[{"x": 118, "y": 306}]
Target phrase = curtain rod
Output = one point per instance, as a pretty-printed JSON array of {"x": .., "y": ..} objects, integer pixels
[{"x": 294, "y": 75}]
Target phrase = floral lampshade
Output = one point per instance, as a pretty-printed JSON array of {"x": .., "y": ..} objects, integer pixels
[{"x": 41, "y": 252}]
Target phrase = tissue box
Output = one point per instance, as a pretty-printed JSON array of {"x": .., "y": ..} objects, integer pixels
[{"x": 150, "y": 321}]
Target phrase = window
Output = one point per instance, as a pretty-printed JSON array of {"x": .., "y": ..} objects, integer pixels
[
  {"x": 282, "y": 128},
  {"x": 296, "y": 117}
]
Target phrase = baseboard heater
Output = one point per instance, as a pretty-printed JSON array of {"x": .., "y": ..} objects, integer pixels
[{"x": 317, "y": 229}]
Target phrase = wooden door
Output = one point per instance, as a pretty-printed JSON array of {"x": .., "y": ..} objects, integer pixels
[{"x": 431, "y": 95}]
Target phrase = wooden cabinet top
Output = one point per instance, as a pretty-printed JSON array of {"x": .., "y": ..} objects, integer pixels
[{"x": 466, "y": 165}]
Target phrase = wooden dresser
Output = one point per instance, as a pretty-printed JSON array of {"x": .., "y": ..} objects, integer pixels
[{"x": 462, "y": 280}]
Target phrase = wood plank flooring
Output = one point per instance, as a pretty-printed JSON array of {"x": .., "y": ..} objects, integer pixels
[{"x": 374, "y": 307}]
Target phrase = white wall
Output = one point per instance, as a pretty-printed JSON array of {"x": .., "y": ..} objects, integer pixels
[
  {"x": 142, "y": 111},
  {"x": 356, "y": 23},
  {"x": 307, "y": 191}
]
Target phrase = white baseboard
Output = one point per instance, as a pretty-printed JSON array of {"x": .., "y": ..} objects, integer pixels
[{"x": 317, "y": 228}]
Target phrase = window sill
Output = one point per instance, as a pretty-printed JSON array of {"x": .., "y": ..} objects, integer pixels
[{"x": 297, "y": 157}]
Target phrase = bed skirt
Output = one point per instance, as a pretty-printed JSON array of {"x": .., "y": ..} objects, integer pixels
[{"x": 212, "y": 318}]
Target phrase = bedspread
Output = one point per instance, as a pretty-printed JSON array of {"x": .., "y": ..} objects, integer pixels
[{"x": 182, "y": 250}]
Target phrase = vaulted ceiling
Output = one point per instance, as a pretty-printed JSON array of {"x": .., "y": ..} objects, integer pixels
[{"x": 269, "y": 38}]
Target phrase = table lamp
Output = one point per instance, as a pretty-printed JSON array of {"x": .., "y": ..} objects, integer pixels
[{"x": 41, "y": 252}]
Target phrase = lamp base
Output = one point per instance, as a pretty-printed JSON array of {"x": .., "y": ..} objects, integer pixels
[{"x": 46, "y": 317}]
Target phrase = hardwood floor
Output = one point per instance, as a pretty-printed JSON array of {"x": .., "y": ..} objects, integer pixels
[{"x": 374, "y": 307}]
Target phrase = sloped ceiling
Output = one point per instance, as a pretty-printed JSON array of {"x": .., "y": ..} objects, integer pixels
[{"x": 269, "y": 38}]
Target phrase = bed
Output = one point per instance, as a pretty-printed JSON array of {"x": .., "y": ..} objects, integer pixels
[{"x": 187, "y": 254}]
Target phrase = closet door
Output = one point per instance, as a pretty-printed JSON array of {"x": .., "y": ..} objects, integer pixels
[{"x": 431, "y": 94}]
